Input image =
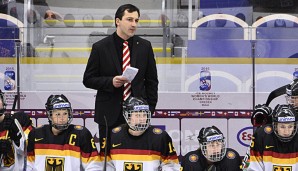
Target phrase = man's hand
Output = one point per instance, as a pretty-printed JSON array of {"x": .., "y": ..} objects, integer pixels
[
  {"x": 5, "y": 147},
  {"x": 119, "y": 80}
]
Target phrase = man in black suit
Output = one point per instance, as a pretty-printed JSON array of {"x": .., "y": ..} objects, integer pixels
[{"x": 104, "y": 70}]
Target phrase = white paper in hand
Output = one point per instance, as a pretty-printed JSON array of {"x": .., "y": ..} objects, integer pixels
[{"x": 130, "y": 73}]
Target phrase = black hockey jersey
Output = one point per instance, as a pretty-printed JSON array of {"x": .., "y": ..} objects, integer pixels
[
  {"x": 196, "y": 161},
  {"x": 267, "y": 152},
  {"x": 73, "y": 149},
  {"x": 151, "y": 151}
]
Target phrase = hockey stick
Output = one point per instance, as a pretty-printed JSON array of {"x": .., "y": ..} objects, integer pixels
[
  {"x": 16, "y": 98},
  {"x": 275, "y": 93},
  {"x": 25, "y": 145},
  {"x": 106, "y": 149}
]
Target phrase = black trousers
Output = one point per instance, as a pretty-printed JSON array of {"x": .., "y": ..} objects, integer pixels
[{"x": 105, "y": 133}]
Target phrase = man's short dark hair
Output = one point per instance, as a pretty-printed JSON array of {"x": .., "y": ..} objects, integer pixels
[{"x": 129, "y": 7}]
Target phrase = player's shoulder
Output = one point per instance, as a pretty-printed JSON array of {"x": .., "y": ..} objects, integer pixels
[
  {"x": 192, "y": 156},
  {"x": 157, "y": 131},
  {"x": 41, "y": 127},
  {"x": 119, "y": 129},
  {"x": 192, "y": 152},
  {"x": 79, "y": 128},
  {"x": 264, "y": 130},
  {"x": 40, "y": 130},
  {"x": 232, "y": 154}
]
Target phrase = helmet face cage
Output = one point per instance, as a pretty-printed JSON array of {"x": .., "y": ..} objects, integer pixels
[
  {"x": 214, "y": 151},
  {"x": 212, "y": 143},
  {"x": 137, "y": 114},
  {"x": 3, "y": 108},
  {"x": 59, "y": 102},
  {"x": 285, "y": 122},
  {"x": 138, "y": 120},
  {"x": 292, "y": 93}
]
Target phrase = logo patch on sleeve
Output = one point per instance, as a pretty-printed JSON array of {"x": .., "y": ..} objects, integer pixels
[
  {"x": 231, "y": 155},
  {"x": 116, "y": 130},
  {"x": 193, "y": 158},
  {"x": 157, "y": 131},
  {"x": 78, "y": 127},
  {"x": 268, "y": 129}
]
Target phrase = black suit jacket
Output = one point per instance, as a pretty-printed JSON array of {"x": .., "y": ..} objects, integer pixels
[{"x": 103, "y": 65}]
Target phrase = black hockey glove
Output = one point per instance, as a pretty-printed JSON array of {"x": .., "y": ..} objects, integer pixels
[
  {"x": 261, "y": 115},
  {"x": 5, "y": 147},
  {"x": 9, "y": 124}
]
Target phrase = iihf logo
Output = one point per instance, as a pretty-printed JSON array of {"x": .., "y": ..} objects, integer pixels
[{"x": 205, "y": 79}]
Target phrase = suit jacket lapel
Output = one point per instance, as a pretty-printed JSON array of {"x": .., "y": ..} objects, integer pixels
[
  {"x": 133, "y": 57},
  {"x": 114, "y": 56}
]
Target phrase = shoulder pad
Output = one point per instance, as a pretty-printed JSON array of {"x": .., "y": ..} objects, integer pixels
[{"x": 78, "y": 127}]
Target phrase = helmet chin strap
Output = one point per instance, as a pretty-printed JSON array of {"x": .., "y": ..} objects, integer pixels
[
  {"x": 135, "y": 132},
  {"x": 60, "y": 127}
]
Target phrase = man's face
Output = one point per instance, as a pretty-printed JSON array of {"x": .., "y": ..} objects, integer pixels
[
  {"x": 126, "y": 27},
  {"x": 294, "y": 100},
  {"x": 60, "y": 116},
  {"x": 285, "y": 129},
  {"x": 214, "y": 148}
]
